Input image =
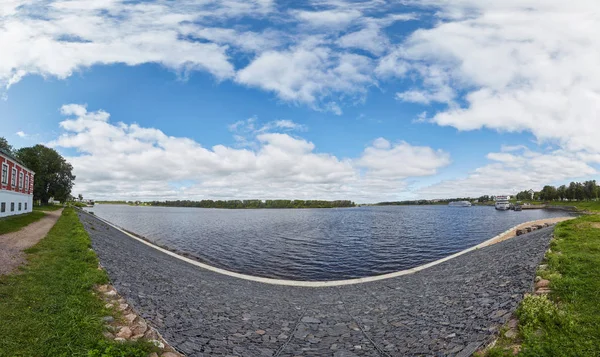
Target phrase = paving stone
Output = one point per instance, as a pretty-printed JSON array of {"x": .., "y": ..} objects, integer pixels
[{"x": 449, "y": 309}]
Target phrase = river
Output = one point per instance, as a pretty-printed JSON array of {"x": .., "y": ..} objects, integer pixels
[{"x": 318, "y": 244}]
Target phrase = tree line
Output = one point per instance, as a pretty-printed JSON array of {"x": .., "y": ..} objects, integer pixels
[
  {"x": 233, "y": 204},
  {"x": 578, "y": 191},
  {"x": 53, "y": 174}
]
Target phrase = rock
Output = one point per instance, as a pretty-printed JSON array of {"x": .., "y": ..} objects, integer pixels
[
  {"x": 520, "y": 232},
  {"x": 109, "y": 306},
  {"x": 151, "y": 334},
  {"x": 169, "y": 354},
  {"x": 110, "y": 293},
  {"x": 542, "y": 283},
  {"x": 123, "y": 307},
  {"x": 513, "y": 323},
  {"x": 538, "y": 278},
  {"x": 140, "y": 328},
  {"x": 103, "y": 288},
  {"x": 510, "y": 333},
  {"x": 260, "y": 332},
  {"x": 108, "y": 319},
  {"x": 136, "y": 337},
  {"x": 542, "y": 291},
  {"x": 120, "y": 339},
  {"x": 452, "y": 335},
  {"x": 310, "y": 320},
  {"x": 125, "y": 332},
  {"x": 130, "y": 318},
  {"x": 153, "y": 354},
  {"x": 157, "y": 343},
  {"x": 108, "y": 335},
  {"x": 543, "y": 266}
]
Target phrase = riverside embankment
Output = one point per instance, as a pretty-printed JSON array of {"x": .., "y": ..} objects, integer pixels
[{"x": 451, "y": 308}]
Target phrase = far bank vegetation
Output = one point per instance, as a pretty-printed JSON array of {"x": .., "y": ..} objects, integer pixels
[{"x": 241, "y": 204}]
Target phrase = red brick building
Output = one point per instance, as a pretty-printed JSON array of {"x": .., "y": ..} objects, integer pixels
[{"x": 16, "y": 186}]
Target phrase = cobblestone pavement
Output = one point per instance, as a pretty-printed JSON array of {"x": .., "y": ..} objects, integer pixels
[{"x": 450, "y": 309}]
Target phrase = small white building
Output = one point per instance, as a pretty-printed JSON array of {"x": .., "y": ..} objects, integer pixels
[
  {"x": 531, "y": 193},
  {"x": 16, "y": 186}
]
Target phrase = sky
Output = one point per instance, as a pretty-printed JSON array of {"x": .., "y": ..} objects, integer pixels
[{"x": 367, "y": 100}]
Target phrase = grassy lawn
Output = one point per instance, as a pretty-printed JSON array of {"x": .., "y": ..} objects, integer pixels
[
  {"x": 14, "y": 223},
  {"x": 567, "y": 322},
  {"x": 47, "y": 208},
  {"x": 49, "y": 309},
  {"x": 592, "y": 206}
]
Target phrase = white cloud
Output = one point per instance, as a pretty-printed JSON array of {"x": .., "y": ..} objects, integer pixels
[
  {"x": 309, "y": 74},
  {"x": 512, "y": 170},
  {"x": 76, "y": 34},
  {"x": 336, "y": 19},
  {"x": 369, "y": 39},
  {"x": 383, "y": 160},
  {"x": 513, "y": 65},
  {"x": 127, "y": 161},
  {"x": 21, "y": 134}
]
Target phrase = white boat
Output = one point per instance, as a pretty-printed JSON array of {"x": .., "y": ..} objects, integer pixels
[
  {"x": 460, "y": 204},
  {"x": 502, "y": 203}
]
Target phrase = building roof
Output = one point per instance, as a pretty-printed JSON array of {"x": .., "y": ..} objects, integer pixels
[{"x": 14, "y": 158}]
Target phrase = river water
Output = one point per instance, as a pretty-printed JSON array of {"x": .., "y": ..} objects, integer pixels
[{"x": 318, "y": 244}]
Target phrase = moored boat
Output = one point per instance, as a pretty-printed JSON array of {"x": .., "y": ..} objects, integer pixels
[{"x": 502, "y": 203}]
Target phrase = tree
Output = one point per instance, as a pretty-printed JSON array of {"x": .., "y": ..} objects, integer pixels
[
  {"x": 5, "y": 146},
  {"x": 80, "y": 196},
  {"x": 53, "y": 174},
  {"x": 548, "y": 193},
  {"x": 562, "y": 192}
]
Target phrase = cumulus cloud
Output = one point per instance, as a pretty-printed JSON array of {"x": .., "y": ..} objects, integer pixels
[
  {"x": 21, "y": 134},
  {"x": 512, "y": 170},
  {"x": 308, "y": 74},
  {"x": 311, "y": 55},
  {"x": 75, "y": 34},
  {"x": 127, "y": 161},
  {"x": 509, "y": 66}
]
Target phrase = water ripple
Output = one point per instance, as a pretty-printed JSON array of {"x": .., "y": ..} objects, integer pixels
[{"x": 318, "y": 244}]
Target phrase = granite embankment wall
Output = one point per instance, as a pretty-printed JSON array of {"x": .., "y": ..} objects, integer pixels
[{"x": 451, "y": 308}]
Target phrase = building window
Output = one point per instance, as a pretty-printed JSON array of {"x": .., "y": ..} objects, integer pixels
[
  {"x": 3, "y": 207},
  {"x": 20, "y": 180},
  {"x": 13, "y": 179},
  {"x": 5, "y": 174},
  {"x": 27, "y": 183},
  {"x": 25, "y": 206},
  {"x": 19, "y": 206},
  {"x": 12, "y": 206}
]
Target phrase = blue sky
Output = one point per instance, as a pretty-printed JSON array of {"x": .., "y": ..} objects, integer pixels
[{"x": 364, "y": 100}]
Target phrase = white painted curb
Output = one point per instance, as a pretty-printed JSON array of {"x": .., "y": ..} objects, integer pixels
[{"x": 314, "y": 284}]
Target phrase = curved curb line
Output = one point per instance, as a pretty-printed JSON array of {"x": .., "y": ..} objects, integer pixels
[{"x": 315, "y": 284}]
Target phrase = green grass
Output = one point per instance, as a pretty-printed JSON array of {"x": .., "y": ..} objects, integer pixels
[
  {"x": 591, "y": 206},
  {"x": 567, "y": 322},
  {"x": 15, "y": 223},
  {"x": 47, "y": 208},
  {"x": 49, "y": 308}
]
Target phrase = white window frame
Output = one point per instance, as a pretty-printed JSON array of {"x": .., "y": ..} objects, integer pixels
[
  {"x": 4, "y": 173},
  {"x": 27, "y": 183},
  {"x": 13, "y": 177},
  {"x": 21, "y": 179}
]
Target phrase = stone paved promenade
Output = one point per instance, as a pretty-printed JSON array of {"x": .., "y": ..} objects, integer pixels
[{"x": 450, "y": 309}]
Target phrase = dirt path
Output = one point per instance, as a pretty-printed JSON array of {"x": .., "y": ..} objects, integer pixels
[{"x": 13, "y": 244}]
